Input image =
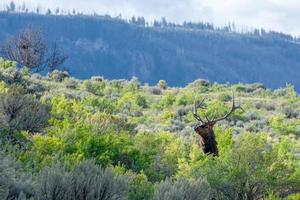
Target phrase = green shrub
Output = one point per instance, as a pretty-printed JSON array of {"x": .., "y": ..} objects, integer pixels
[
  {"x": 167, "y": 100},
  {"x": 5, "y": 64},
  {"x": 140, "y": 187},
  {"x": 94, "y": 87}
]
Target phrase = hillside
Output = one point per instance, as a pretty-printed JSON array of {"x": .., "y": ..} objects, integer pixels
[
  {"x": 64, "y": 138},
  {"x": 113, "y": 48}
]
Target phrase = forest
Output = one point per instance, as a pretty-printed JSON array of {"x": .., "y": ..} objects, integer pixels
[
  {"x": 161, "y": 50},
  {"x": 63, "y": 138}
]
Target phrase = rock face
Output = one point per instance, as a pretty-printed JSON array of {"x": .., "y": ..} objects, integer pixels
[{"x": 113, "y": 48}]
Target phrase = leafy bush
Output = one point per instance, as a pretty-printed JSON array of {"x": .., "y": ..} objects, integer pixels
[
  {"x": 167, "y": 100},
  {"x": 94, "y": 87},
  {"x": 5, "y": 64},
  {"x": 282, "y": 126},
  {"x": 141, "y": 101},
  {"x": 140, "y": 187},
  {"x": 105, "y": 123}
]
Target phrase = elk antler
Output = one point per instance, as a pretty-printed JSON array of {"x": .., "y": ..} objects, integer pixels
[
  {"x": 233, "y": 108},
  {"x": 196, "y": 106}
]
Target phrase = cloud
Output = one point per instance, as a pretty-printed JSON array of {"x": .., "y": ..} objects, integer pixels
[{"x": 270, "y": 14}]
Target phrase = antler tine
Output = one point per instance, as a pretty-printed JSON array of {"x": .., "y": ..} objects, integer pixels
[
  {"x": 196, "y": 105},
  {"x": 206, "y": 117},
  {"x": 233, "y": 108},
  {"x": 239, "y": 106}
]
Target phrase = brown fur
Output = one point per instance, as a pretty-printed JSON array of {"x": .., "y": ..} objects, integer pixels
[{"x": 207, "y": 139}]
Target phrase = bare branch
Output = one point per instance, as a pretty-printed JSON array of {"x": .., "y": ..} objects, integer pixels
[
  {"x": 29, "y": 48},
  {"x": 56, "y": 58}
]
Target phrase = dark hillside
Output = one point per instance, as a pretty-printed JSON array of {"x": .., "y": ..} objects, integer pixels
[{"x": 101, "y": 45}]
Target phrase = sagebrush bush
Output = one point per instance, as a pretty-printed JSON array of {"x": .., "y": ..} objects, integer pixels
[
  {"x": 12, "y": 184},
  {"x": 290, "y": 112},
  {"x": 22, "y": 112},
  {"x": 183, "y": 189},
  {"x": 200, "y": 82},
  {"x": 11, "y": 76},
  {"x": 155, "y": 90},
  {"x": 71, "y": 83},
  {"x": 58, "y": 76},
  {"x": 53, "y": 184},
  {"x": 182, "y": 111},
  {"x": 85, "y": 181},
  {"x": 36, "y": 76},
  {"x": 248, "y": 116}
]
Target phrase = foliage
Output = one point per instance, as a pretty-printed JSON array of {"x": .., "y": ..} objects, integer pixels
[
  {"x": 183, "y": 189},
  {"x": 85, "y": 181},
  {"x": 22, "y": 112},
  {"x": 140, "y": 188},
  {"x": 5, "y": 64},
  {"x": 13, "y": 185},
  {"x": 142, "y": 143}
]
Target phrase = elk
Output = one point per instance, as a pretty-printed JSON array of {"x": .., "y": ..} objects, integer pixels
[{"x": 205, "y": 130}]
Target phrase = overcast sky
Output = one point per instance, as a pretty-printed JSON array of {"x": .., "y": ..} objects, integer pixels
[{"x": 280, "y": 15}]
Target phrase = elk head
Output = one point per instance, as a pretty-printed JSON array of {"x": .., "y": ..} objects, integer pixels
[{"x": 207, "y": 141}]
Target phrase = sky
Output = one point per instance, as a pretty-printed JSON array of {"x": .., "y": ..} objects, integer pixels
[{"x": 278, "y": 15}]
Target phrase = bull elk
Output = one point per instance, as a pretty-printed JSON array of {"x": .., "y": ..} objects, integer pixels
[{"x": 205, "y": 130}]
